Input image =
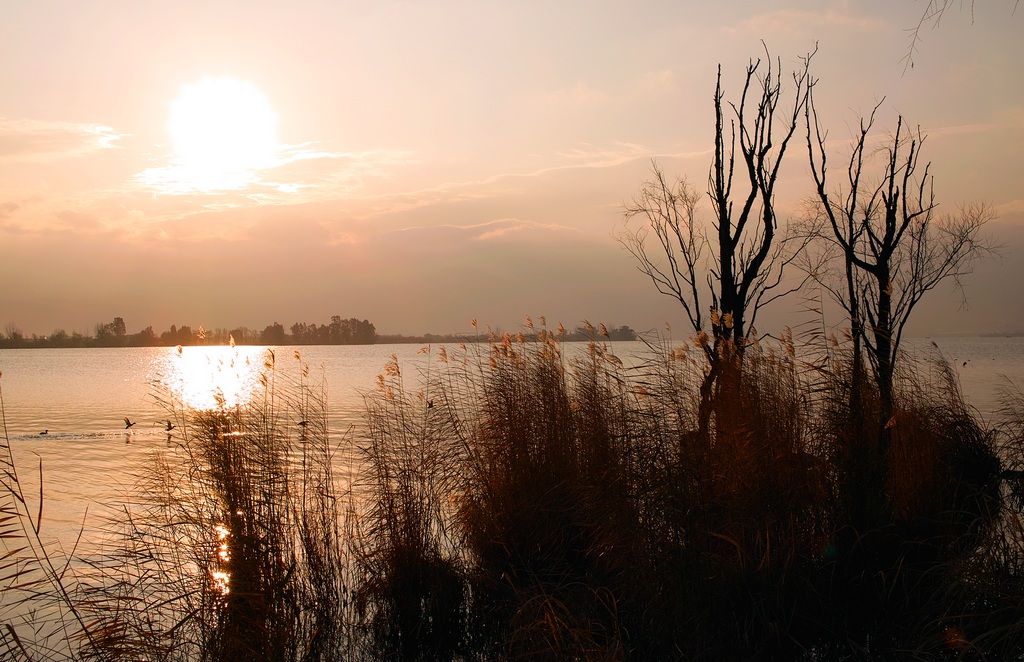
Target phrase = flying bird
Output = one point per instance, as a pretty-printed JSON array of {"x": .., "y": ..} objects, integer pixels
[
  {"x": 128, "y": 423},
  {"x": 170, "y": 426}
]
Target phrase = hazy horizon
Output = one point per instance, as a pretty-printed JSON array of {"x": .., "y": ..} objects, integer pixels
[{"x": 420, "y": 166}]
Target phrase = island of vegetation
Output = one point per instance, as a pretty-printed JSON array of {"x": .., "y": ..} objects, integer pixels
[{"x": 351, "y": 331}]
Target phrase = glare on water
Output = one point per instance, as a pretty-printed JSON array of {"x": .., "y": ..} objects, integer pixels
[
  {"x": 208, "y": 377},
  {"x": 222, "y": 578}
]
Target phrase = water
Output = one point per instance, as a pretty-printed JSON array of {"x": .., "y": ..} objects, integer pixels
[
  {"x": 81, "y": 396},
  {"x": 983, "y": 366}
]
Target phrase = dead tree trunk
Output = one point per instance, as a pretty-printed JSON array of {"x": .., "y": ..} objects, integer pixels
[
  {"x": 894, "y": 250},
  {"x": 737, "y": 267}
]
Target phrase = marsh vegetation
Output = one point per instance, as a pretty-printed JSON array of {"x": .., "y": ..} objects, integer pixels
[{"x": 504, "y": 501}]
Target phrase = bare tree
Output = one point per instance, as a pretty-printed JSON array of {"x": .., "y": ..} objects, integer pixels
[
  {"x": 932, "y": 15},
  {"x": 671, "y": 229},
  {"x": 895, "y": 247},
  {"x": 737, "y": 267},
  {"x": 13, "y": 332}
]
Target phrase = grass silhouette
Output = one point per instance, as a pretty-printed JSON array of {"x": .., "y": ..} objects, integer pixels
[{"x": 509, "y": 500}]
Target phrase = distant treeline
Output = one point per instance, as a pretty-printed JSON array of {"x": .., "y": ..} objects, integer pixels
[
  {"x": 580, "y": 333},
  {"x": 114, "y": 334},
  {"x": 339, "y": 332}
]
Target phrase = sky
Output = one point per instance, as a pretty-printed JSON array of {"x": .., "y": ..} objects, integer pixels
[{"x": 424, "y": 164}]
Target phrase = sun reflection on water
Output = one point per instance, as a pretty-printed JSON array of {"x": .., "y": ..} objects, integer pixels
[
  {"x": 210, "y": 377},
  {"x": 221, "y": 578},
  {"x": 221, "y": 582}
]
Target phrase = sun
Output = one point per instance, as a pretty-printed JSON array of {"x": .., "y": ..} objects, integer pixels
[{"x": 223, "y": 130}]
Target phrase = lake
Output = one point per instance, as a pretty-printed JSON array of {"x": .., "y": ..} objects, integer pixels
[{"x": 81, "y": 396}]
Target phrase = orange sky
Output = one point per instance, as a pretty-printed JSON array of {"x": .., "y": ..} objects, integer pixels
[{"x": 437, "y": 162}]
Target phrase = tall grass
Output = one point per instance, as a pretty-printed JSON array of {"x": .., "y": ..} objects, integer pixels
[
  {"x": 411, "y": 597},
  {"x": 236, "y": 547},
  {"x": 579, "y": 511},
  {"x": 507, "y": 501},
  {"x": 233, "y": 546}
]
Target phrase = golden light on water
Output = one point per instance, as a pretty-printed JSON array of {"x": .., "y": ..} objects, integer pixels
[
  {"x": 210, "y": 377},
  {"x": 222, "y": 579},
  {"x": 221, "y": 582},
  {"x": 222, "y": 537}
]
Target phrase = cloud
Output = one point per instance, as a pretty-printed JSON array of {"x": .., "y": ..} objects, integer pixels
[
  {"x": 583, "y": 156},
  {"x": 961, "y": 129},
  {"x": 1010, "y": 209},
  {"x": 296, "y": 174},
  {"x": 591, "y": 156},
  {"x": 792, "y": 22},
  {"x": 364, "y": 205},
  {"x": 78, "y": 221},
  {"x": 1004, "y": 119},
  {"x": 25, "y": 140},
  {"x": 485, "y": 231},
  {"x": 570, "y": 103},
  {"x": 658, "y": 83},
  {"x": 579, "y": 94}
]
